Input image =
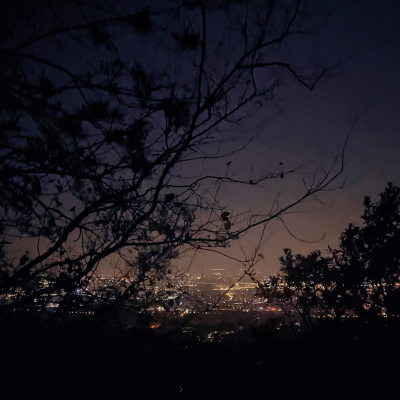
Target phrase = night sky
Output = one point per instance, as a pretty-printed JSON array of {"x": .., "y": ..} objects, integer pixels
[
  {"x": 358, "y": 42},
  {"x": 360, "y": 45}
]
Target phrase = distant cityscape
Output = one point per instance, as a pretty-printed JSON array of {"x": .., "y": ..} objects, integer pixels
[{"x": 218, "y": 289}]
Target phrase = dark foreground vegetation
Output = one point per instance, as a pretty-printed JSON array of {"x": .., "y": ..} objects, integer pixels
[{"x": 83, "y": 360}]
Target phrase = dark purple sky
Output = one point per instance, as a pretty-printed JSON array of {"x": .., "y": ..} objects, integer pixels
[{"x": 360, "y": 43}]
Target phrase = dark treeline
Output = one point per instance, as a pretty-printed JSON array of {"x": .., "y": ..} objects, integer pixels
[{"x": 359, "y": 281}]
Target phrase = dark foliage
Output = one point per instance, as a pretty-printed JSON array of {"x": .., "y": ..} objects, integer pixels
[{"x": 360, "y": 279}]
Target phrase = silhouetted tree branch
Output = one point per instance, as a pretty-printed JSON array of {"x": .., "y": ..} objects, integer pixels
[{"x": 102, "y": 109}]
